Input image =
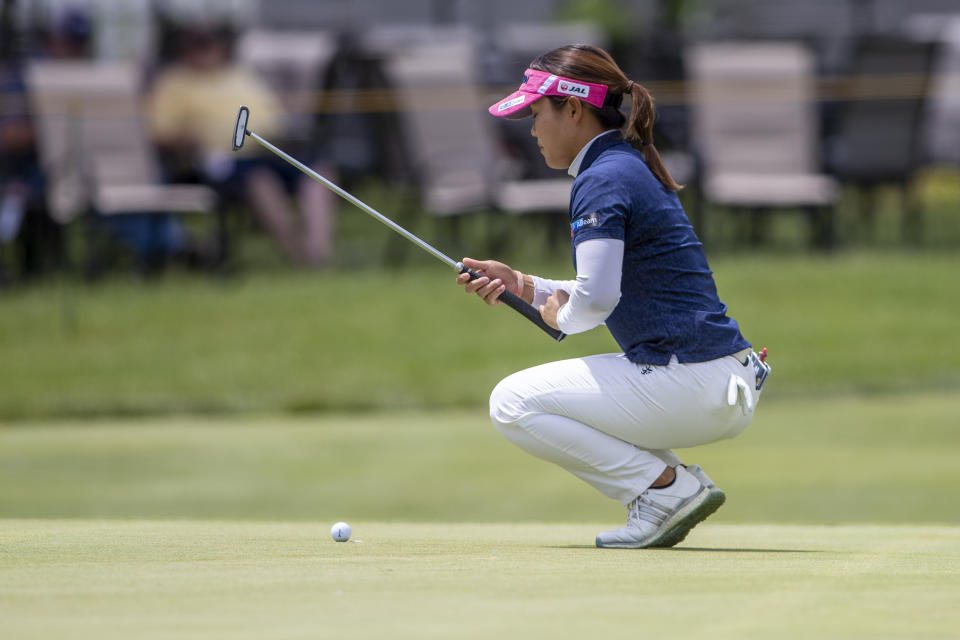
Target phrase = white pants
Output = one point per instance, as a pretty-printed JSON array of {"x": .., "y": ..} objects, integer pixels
[{"x": 612, "y": 423}]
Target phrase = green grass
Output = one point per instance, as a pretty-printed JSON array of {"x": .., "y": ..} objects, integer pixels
[
  {"x": 217, "y": 527},
  {"x": 201, "y": 579},
  {"x": 282, "y": 341},
  {"x": 809, "y": 460}
]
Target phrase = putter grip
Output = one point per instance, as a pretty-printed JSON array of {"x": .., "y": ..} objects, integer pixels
[{"x": 522, "y": 307}]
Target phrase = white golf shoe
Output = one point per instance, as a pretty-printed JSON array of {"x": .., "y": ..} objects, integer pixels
[
  {"x": 663, "y": 517},
  {"x": 698, "y": 473}
]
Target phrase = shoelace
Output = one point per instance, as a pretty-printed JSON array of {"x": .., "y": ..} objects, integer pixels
[{"x": 643, "y": 508}]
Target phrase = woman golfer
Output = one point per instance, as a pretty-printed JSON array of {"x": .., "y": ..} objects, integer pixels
[{"x": 686, "y": 376}]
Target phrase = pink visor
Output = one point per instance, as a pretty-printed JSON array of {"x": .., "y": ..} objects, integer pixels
[{"x": 537, "y": 84}]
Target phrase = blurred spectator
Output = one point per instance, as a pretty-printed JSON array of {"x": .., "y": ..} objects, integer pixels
[
  {"x": 23, "y": 217},
  {"x": 69, "y": 36},
  {"x": 192, "y": 107}
]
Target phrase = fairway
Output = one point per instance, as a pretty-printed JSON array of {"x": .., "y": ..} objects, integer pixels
[
  {"x": 302, "y": 343},
  {"x": 149, "y": 579}
]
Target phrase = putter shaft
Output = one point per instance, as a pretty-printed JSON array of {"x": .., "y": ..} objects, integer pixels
[
  {"x": 362, "y": 205},
  {"x": 515, "y": 302}
]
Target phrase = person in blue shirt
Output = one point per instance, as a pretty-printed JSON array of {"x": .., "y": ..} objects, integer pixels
[{"x": 686, "y": 375}]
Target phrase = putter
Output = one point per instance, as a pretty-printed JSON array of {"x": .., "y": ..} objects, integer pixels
[{"x": 240, "y": 132}]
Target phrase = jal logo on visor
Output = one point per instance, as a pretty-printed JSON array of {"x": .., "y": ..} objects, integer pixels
[{"x": 574, "y": 89}]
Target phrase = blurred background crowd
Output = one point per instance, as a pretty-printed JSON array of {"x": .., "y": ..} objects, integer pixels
[{"x": 116, "y": 118}]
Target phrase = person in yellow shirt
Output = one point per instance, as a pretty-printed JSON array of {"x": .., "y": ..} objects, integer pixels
[{"x": 191, "y": 107}]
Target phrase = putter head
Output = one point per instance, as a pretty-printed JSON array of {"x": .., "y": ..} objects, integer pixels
[{"x": 240, "y": 128}]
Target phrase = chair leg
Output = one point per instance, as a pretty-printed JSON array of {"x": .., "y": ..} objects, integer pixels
[
  {"x": 759, "y": 221},
  {"x": 498, "y": 235},
  {"x": 696, "y": 214},
  {"x": 822, "y": 227},
  {"x": 500, "y": 229},
  {"x": 744, "y": 218},
  {"x": 556, "y": 239},
  {"x": 912, "y": 221},
  {"x": 93, "y": 247},
  {"x": 453, "y": 233},
  {"x": 396, "y": 250},
  {"x": 866, "y": 201},
  {"x": 50, "y": 247},
  {"x": 221, "y": 233},
  {"x": 5, "y": 278}
]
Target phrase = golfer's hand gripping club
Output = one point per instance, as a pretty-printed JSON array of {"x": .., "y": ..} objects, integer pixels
[
  {"x": 519, "y": 305},
  {"x": 240, "y": 132}
]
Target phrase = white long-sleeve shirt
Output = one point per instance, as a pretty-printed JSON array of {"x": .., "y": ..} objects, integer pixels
[{"x": 595, "y": 292}]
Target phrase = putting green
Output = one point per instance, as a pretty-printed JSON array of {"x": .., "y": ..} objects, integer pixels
[{"x": 163, "y": 579}]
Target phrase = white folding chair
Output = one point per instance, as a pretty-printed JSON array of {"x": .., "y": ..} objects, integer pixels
[
  {"x": 453, "y": 138},
  {"x": 942, "y": 117},
  {"x": 755, "y": 126},
  {"x": 94, "y": 148}
]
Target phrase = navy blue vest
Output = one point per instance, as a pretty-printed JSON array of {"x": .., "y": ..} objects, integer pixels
[{"x": 668, "y": 304}]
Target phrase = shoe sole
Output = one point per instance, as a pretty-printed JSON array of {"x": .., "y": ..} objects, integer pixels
[
  {"x": 676, "y": 528},
  {"x": 687, "y": 518}
]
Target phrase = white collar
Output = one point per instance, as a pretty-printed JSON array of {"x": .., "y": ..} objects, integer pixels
[{"x": 574, "y": 168}]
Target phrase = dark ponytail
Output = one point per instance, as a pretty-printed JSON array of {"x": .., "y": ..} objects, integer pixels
[
  {"x": 592, "y": 64},
  {"x": 640, "y": 122}
]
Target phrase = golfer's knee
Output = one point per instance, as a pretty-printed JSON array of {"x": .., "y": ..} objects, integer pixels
[{"x": 507, "y": 406}]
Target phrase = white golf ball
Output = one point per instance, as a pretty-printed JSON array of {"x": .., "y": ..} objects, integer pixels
[{"x": 340, "y": 532}]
